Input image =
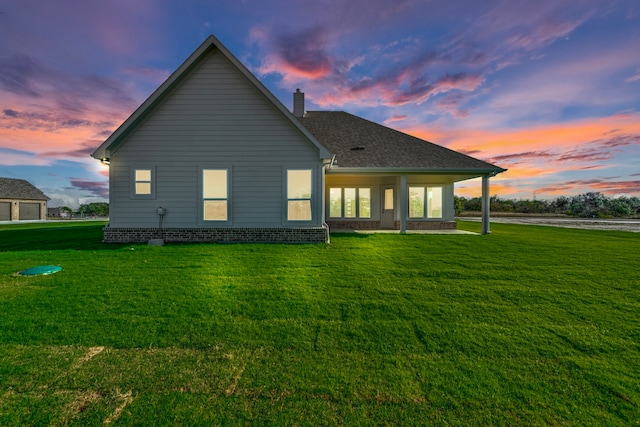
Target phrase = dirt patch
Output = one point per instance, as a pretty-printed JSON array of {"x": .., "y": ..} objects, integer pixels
[
  {"x": 632, "y": 225},
  {"x": 91, "y": 353},
  {"x": 126, "y": 399}
]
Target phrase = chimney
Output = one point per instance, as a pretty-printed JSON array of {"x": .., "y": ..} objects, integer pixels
[{"x": 298, "y": 103}]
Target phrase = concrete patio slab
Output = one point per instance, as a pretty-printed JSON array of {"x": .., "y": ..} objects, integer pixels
[{"x": 407, "y": 232}]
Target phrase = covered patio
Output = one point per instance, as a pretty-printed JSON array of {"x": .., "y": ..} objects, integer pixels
[{"x": 403, "y": 201}]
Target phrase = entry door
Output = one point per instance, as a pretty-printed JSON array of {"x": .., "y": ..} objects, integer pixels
[{"x": 388, "y": 207}]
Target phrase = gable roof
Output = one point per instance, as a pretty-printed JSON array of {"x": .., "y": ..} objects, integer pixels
[
  {"x": 11, "y": 188},
  {"x": 211, "y": 43},
  {"x": 362, "y": 144}
]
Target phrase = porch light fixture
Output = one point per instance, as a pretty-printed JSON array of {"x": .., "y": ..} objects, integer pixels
[{"x": 105, "y": 161}]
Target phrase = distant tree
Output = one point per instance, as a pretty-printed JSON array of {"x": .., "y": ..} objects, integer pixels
[
  {"x": 501, "y": 205},
  {"x": 473, "y": 204},
  {"x": 559, "y": 205},
  {"x": 100, "y": 209},
  {"x": 620, "y": 207},
  {"x": 587, "y": 205},
  {"x": 93, "y": 209},
  {"x": 458, "y": 205},
  {"x": 634, "y": 202},
  {"x": 83, "y": 210},
  {"x": 532, "y": 206}
]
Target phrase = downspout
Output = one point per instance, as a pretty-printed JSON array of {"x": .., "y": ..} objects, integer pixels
[{"x": 326, "y": 166}]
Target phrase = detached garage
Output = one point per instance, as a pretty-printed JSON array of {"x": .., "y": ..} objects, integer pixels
[{"x": 21, "y": 201}]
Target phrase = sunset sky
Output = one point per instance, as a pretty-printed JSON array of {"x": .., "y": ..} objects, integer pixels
[{"x": 547, "y": 89}]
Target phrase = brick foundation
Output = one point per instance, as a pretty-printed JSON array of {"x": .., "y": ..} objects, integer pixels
[
  {"x": 216, "y": 235},
  {"x": 353, "y": 225},
  {"x": 375, "y": 225},
  {"x": 429, "y": 225}
]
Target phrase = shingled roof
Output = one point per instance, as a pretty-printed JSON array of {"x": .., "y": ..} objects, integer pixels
[
  {"x": 11, "y": 188},
  {"x": 360, "y": 143}
]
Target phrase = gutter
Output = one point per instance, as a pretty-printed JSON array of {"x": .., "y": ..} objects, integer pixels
[{"x": 354, "y": 170}]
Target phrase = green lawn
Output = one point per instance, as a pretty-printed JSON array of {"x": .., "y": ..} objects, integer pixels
[{"x": 526, "y": 326}]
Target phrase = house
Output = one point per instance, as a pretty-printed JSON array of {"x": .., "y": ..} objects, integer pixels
[
  {"x": 20, "y": 201},
  {"x": 212, "y": 155},
  {"x": 54, "y": 213}
]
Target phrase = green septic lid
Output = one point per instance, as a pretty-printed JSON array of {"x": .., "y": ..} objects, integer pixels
[{"x": 40, "y": 270}]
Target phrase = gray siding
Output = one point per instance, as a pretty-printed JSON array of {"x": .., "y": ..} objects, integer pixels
[{"x": 215, "y": 118}]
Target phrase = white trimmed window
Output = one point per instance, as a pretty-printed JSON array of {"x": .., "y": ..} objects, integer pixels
[
  {"x": 425, "y": 202},
  {"x": 350, "y": 202},
  {"x": 143, "y": 182},
  {"x": 299, "y": 185},
  {"x": 215, "y": 194}
]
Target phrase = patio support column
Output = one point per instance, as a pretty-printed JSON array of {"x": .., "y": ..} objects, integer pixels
[
  {"x": 404, "y": 203},
  {"x": 486, "y": 205}
]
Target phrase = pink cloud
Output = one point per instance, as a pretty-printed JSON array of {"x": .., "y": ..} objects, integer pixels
[
  {"x": 51, "y": 113},
  {"x": 407, "y": 87},
  {"x": 537, "y": 154},
  {"x": 49, "y": 120},
  {"x": 304, "y": 53},
  {"x": 607, "y": 187},
  {"x": 397, "y": 118},
  {"x": 517, "y": 158},
  {"x": 633, "y": 78},
  {"x": 298, "y": 55}
]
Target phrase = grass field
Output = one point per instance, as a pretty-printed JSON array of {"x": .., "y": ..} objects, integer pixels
[{"x": 526, "y": 326}]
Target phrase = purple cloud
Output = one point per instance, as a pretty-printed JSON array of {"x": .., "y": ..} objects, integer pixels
[
  {"x": 304, "y": 51},
  {"x": 18, "y": 74},
  {"x": 585, "y": 155},
  {"x": 49, "y": 121},
  {"x": 521, "y": 157},
  {"x": 619, "y": 141},
  {"x": 452, "y": 102},
  {"x": 97, "y": 188},
  {"x": 488, "y": 37},
  {"x": 25, "y": 76},
  {"x": 82, "y": 151}
]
